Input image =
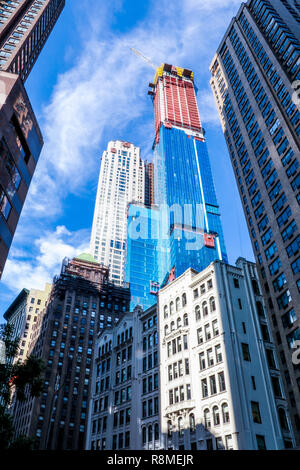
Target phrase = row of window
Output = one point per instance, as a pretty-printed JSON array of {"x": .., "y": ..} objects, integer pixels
[
  {"x": 178, "y": 369},
  {"x": 170, "y": 310},
  {"x": 150, "y": 407},
  {"x": 180, "y": 394},
  {"x": 213, "y": 385},
  {"x": 150, "y": 383},
  {"x": 150, "y": 341}
]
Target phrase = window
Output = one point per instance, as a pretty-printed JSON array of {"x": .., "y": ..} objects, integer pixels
[
  {"x": 180, "y": 427},
  {"x": 261, "y": 443},
  {"x": 215, "y": 327},
  {"x": 200, "y": 335},
  {"x": 283, "y": 419},
  {"x": 202, "y": 361},
  {"x": 207, "y": 421},
  {"x": 207, "y": 332},
  {"x": 218, "y": 352},
  {"x": 225, "y": 413},
  {"x": 192, "y": 422},
  {"x": 204, "y": 388},
  {"x": 216, "y": 416},
  {"x": 212, "y": 304},
  {"x": 255, "y": 412},
  {"x": 221, "y": 378},
  {"x": 213, "y": 385},
  {"x": 5, "y": 205},
  {"x": 276, "y": 387},
  {"x": 210, "y": 358}
]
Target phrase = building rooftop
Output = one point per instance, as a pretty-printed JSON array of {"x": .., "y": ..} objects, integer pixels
[{"x": 87, "y": 257}]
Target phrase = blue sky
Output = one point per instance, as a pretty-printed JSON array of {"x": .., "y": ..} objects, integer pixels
[{"x": 88, "y": 88}]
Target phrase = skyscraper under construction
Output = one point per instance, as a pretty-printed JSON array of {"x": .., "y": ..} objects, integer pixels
[{"x": 190, "y": 227}]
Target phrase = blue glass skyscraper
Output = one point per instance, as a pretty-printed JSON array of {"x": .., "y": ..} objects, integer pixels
[{"x": 190, "y": 232}]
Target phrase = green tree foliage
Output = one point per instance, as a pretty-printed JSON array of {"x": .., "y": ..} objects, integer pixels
[{"x": 24, "y": 379}]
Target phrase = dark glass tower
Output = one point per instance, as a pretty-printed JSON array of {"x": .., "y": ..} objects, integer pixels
[{"x": 254, "y": 77}]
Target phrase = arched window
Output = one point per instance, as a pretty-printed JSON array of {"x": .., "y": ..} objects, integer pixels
[
  {"x": 177, "y": 304},
  {"x": 197, "y": 312},
  {"x": 207, "y": 422},
  {"x": 185, "y": 319},
  {"x": 180, "y": 427},
  {"x": 169, "y": 428},
  {"x": 144, "y": 343},
  {"x": 183, "y": 299},
  {"x": 212, "y": 304},
  {"x": 178, "y": 322},
  {"x": 156, "y": 432},
  {"x": 225, "y": 413},
  {"x": 204, "y": 309},
  {"x": 166, "y": 330},
  {"x": 150, "y": 341},
  {"x": 109, "y": 345},
  {"x": 155, "y": 337},
  {"x": 192, "y": 423},
  {"x": 282, "y": 419},
  {"x": 165, "y": 311},
  {"x": 216, "y": 415},
  {"x": 171, "y": 307},
  {"x": 144, "y": 435},
  {"x": 150, "y": 433},
  {"x": 172, "y": 325}
]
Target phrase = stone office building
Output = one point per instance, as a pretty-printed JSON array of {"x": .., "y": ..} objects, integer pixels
[
  {"x": 220, "y": 385},
  {"x": 81, "y": 303},
  {"x": 124, "y": 409}
]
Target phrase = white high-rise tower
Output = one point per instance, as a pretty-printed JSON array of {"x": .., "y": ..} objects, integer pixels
[{"x": 121, "y": 180}]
